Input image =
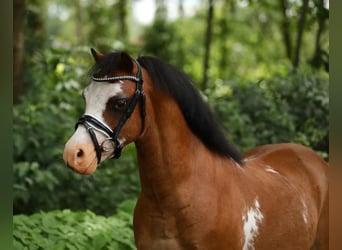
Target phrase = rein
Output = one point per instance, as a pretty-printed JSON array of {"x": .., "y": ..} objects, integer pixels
[{"x": 91, "y": 123}]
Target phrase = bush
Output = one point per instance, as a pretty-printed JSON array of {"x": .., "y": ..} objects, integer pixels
[
  {"x": 294, "y": 108},
  {"x": 75, "y": 230}
]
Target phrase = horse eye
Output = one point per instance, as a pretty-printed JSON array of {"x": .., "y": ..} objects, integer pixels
[{"x": 120, "y": 104}]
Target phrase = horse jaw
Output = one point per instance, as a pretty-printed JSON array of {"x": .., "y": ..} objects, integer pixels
[{"x": 79, "y": 153}]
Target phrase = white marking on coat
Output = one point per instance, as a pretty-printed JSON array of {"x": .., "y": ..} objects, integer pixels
[
  {"x": 271, "y": 170},
  {"x": 251, "y": 158},
  {"x": 305, "y": 212},
  {"x": 236, "y": 164},
  {"x": 250, "y": 220},
  {"x": 122, "y": 141}
]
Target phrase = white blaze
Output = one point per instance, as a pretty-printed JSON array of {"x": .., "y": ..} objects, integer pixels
[{"x": 97, "y": 95}]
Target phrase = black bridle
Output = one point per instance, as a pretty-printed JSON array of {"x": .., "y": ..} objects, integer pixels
[{"x": 91, "y": 123}]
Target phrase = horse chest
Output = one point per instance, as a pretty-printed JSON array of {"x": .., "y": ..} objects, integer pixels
[
  {"x": 157, "y": 244},
  {"x": 161, "y": 236},
  {"x": 156, "y": 231},
  {"x": 179, "y": 234}
]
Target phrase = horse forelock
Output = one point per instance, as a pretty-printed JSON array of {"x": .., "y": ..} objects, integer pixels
[{"x": 112, "y": 64}]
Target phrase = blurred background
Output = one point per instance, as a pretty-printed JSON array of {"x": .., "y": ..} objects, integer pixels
[{"x": 262, "y": 65}]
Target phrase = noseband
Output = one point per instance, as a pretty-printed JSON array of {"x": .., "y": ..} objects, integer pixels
[{"x": 91, "y": 123}]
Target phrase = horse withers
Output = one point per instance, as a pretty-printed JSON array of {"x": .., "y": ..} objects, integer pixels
[{"x": 197, "y": 190}]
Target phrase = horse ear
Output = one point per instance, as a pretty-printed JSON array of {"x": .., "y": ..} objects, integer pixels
[{"x": 96, "y": 55}]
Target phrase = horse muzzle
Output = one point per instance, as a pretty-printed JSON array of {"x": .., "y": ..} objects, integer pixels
[{"x": 79, "y": 154}]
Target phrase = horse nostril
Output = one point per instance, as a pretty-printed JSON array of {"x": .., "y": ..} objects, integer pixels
[{"x": 80, "y": 153}]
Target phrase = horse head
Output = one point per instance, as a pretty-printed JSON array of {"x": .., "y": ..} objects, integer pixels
[{"x": 114, "y": 113}]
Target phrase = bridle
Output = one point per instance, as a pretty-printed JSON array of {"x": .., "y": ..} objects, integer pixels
[{"x": 91, "y": 123}]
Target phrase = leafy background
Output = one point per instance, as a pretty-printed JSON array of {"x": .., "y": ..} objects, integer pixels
[{"x": 254, "y": 85}]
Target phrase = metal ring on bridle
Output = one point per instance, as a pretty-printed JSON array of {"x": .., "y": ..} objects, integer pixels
[{"x": 105, "y": 148}]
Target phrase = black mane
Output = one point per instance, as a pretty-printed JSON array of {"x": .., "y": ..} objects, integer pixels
[{"x": 198, "y": 115}]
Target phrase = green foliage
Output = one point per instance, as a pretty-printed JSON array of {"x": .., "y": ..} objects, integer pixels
[
  {"x": 159, "y": 34},
  {"x": 75, "y": 230},
  {"x": 292, "y": 108}
]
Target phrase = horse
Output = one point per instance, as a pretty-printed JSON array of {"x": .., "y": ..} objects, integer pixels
[{"x": 197, "y": 190}]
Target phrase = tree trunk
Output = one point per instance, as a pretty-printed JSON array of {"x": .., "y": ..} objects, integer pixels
[
  {"x": 285, "y": 28},
  {"x": 34, "y": 39},
  {"x": 161, "y": 10},
  {"x": 122, "y": 12},
  {"x": 224, "y": 29},
  {"x": 207, "y": 44},
  {"x": 181, "y": 8},
  {"x": 79, "y": 23},
  {"x": 301, "y": 26},
  {"x": 318, "y": 59},
  {"x": 18, "y": 49}
]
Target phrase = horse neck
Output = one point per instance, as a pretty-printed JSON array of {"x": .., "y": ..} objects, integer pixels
[
  {"x": 165, "y": 145},
  {"x": 170, "y": 155}
]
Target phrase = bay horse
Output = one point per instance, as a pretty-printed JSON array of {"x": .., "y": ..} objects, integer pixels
[{"x": 197, "y": 190}]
